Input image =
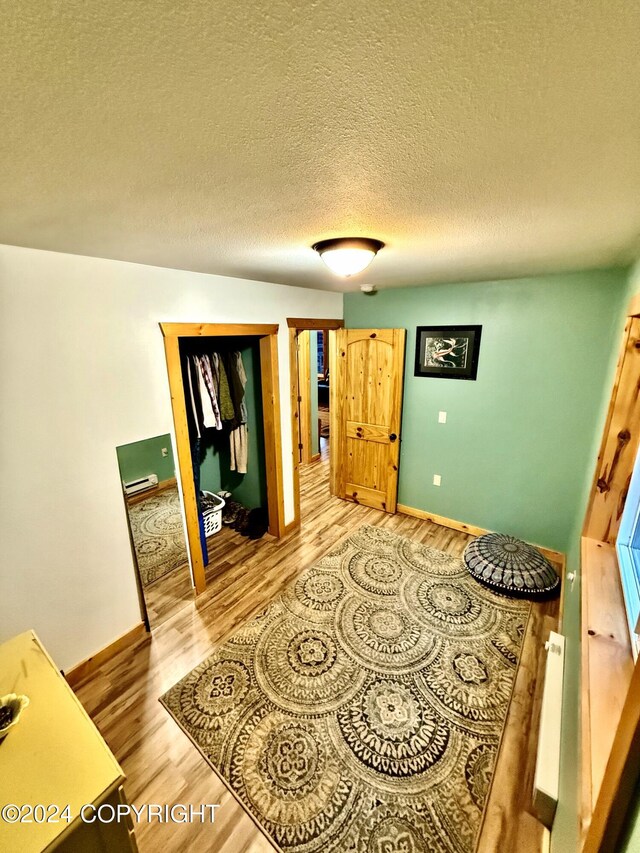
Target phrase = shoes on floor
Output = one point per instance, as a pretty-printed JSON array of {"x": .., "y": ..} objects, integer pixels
[
  {"x": 252, "y": 523},
  {"x": 241, "y": 520},
  {"x": 258, "y": 523},
  {"x": 230, "y": 512}
]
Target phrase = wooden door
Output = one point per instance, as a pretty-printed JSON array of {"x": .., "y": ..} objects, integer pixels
[{"x": 366, "y": 379}]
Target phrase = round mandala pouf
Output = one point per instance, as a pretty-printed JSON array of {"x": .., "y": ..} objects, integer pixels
[{"x": 510, "y": 566}]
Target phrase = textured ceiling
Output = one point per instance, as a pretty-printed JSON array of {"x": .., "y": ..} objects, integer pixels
[{"x": 477, "y": 138}]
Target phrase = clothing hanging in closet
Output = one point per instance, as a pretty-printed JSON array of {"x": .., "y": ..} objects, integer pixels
[
  {"x": 238, "y": 440},
  {"x": 216, "y": 400}
]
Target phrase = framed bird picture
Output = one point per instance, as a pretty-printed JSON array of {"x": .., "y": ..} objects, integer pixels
[{"x": 447, "y": 352}]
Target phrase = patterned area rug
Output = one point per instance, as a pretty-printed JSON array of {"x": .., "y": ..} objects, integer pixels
[
  {"x": 158, "y": 535},
  {"x": 363, "y": 709}
]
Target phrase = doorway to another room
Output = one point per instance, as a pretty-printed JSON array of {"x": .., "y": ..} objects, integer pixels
[
  {"x": 310, "y": 345},
  {"x": 313, "y": 395},
  {"x": 359, "y": 399},
  {"x": 319, "y": 342}
]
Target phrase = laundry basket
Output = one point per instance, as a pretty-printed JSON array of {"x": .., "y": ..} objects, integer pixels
[{"x": 212, "y": 513}]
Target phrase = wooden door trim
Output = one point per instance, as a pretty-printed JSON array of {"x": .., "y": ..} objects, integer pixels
[
  {"x": 270, "y": 376},
  {"x": 606, "y": 822},
  {"x": 400, "y": 341},
  {"x": 268, "y": 338},
  {"x": 217, "y": 330},
  {"x": 295, "y": 325},
  {"x": 336, "y": 411},
  {"x": 311, "y": 324}
]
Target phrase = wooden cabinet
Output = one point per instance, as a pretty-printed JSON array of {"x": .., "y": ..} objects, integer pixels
[{"x": 55, "y": 757}]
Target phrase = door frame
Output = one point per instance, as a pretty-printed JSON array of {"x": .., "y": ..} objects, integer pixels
[
  {"x": 296, "y": 325},
  {"x": 268, "y": 340},
  {"x": 605, "y": 822}
]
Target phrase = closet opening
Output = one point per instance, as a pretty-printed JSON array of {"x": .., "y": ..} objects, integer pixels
[
  {"x": 223, "y": 380},
  {"x": 310, "y": 344}
]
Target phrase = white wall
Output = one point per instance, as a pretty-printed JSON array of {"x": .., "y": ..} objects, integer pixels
[{"x": 82, "y": 370}]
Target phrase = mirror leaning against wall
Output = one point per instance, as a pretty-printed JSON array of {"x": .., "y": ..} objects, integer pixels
[{"x": 147, "y": 472}]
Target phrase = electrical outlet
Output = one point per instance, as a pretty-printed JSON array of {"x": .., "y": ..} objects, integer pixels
[
  {"x": 442, "y": 417},
  {"x": 437, "y": 479},
  {"x": 165, "y": 451}
]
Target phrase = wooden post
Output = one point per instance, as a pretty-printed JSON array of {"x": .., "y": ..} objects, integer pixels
[{"x": 272, "y": 432}]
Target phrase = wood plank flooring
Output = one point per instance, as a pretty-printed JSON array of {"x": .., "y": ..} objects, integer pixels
[
  {"x": 161, "y": 764},
  {"x": 168, "y": 594}
]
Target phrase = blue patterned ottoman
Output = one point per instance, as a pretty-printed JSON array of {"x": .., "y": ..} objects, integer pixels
[{"x": 510, "y": 566}]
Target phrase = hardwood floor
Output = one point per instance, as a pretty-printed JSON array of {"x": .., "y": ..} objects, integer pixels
[
  {"x": 161, "y": 764},
  {"x": 168, "y": 594}
]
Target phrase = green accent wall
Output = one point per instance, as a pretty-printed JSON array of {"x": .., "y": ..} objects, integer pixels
[
  {"x": 630, "y": 841},
  {"x": 141, "y": 458},
  {"x": 513, "y": 452},
  {"x": 250, "y": 488},
  {"x": 315, "y": 436},
  {"x": 518, "y": 451},
  {"x": 210, "y": 473}
]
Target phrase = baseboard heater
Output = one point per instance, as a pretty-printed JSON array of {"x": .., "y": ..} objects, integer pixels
[
  {"x": 141, "y": 485},
  {"x": 547, "y": 775}
]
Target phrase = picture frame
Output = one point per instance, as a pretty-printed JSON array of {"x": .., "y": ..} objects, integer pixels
[{"x": 447, "y": 352}]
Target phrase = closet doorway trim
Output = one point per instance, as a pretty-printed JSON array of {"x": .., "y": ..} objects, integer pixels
[
  {"x": 296, "y": 325},
  {"x": 268, "y": 341}
]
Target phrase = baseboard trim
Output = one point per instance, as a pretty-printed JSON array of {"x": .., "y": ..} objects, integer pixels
[
  {"x": 554, "y": 556},
  {"x": 80, "y": 671}
]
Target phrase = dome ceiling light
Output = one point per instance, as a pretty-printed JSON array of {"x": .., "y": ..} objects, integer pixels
[{"x": 347, "y": 256}]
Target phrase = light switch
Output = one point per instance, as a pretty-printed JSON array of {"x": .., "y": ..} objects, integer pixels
[
  {"x": 442, "y": 417},
  {"x": 437, "y": 479}
]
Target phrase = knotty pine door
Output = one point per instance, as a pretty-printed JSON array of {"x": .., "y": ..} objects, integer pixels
[{"x": 366, "y": 407}]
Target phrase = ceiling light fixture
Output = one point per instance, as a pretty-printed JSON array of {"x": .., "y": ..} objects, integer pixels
[{"x": 348, "y": 255}]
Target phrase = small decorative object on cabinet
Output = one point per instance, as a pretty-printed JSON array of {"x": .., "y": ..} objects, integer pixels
[
  {"x": 447, "y": 352},
  {"x": 11, "y": 707},
  {"x": 55, "y": 765}
]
